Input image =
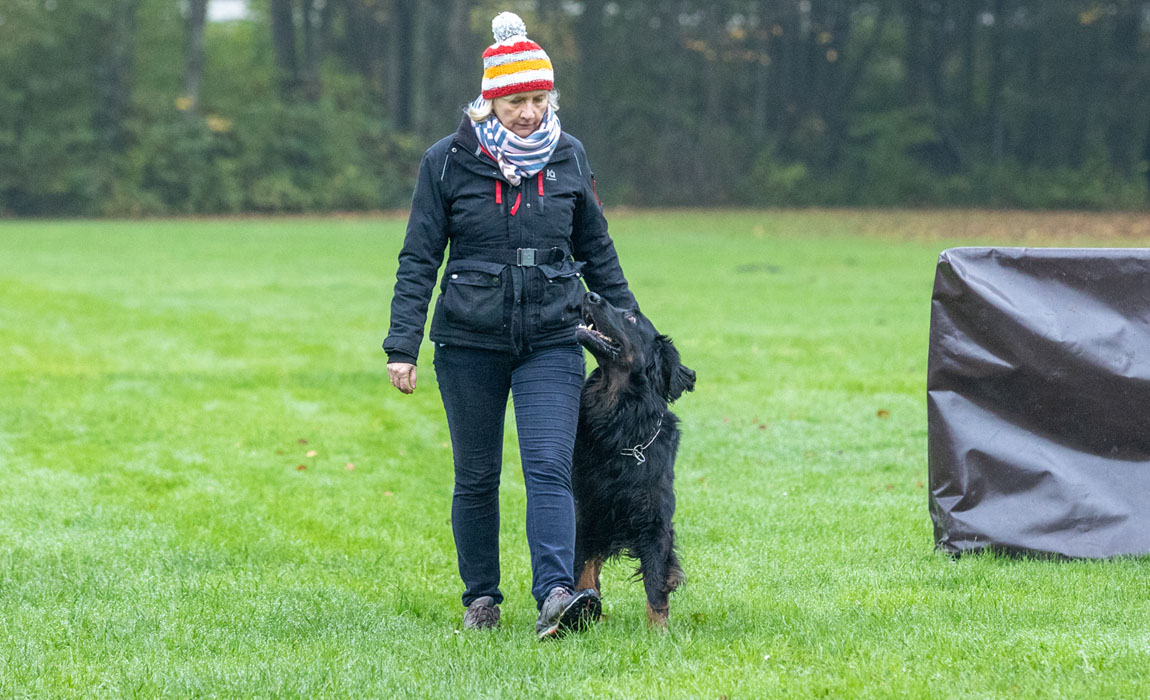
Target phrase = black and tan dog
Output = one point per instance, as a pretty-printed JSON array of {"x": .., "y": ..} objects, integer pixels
[{"x": 625, "y": 448}]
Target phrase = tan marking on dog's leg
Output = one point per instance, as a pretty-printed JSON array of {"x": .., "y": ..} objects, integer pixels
[
  {"x": 590, "y": 576},
  {"x": 655, "y": 619}
]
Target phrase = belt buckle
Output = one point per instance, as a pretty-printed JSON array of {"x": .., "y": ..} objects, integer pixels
[{"x": 525, "y": 257}]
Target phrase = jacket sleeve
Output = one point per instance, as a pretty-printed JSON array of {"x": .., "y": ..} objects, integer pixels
[
  {"x": 592, "y": 243},
  {"x": 419, "y": 261}
]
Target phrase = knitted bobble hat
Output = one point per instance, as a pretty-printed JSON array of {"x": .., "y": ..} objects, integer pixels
[{"x": 514, "y": 63}]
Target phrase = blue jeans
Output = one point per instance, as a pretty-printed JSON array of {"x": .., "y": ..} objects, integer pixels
[{"x": 545, "y": 386}]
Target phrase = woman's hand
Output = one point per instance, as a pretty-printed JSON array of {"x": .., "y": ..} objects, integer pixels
[{"x": 402, "y": 376}]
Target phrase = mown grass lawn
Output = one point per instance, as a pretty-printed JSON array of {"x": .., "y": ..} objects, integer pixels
[{"x": 208, "y": 488}]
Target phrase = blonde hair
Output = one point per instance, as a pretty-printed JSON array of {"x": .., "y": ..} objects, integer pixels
[{"x": 481, "y": 109}]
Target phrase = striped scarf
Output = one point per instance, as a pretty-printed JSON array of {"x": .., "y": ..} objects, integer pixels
[{"x": 519, "y": 157}]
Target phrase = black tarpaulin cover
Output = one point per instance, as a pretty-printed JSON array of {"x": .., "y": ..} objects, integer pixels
[{"x": 1038, "y": 399}]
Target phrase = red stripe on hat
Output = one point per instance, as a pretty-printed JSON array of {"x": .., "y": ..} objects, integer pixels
[
  {"x": 512, "y": 48},
  {"x": 518, "y": 87}
]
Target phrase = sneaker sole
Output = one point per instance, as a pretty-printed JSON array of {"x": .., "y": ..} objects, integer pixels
[{"x": 583, "y": 610}]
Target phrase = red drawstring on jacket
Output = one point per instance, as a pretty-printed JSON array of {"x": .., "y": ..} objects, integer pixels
[
  {"x": 540, "y": 184},
  {"x": 518, "y": 195}
]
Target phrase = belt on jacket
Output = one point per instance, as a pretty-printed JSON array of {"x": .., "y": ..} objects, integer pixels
[{"x": 523, "y": 257}]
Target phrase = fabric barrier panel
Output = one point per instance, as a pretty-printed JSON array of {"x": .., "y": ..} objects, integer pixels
[{"x": 1038, "y": 400}]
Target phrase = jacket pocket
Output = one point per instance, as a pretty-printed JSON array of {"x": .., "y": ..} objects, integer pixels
[
  {"x": 562, "y": 294},
  {"x": 472, "y": 298}
]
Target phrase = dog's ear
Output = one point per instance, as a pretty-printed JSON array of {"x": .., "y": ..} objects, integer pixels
[
  {"x": 675, "y": 377},
  {"x": 682, "y": 380}
]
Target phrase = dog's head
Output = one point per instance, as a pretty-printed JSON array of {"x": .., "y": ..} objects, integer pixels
[{"x": 625, "y": 341}]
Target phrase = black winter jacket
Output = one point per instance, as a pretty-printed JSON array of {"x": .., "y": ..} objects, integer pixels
[{"x": 486, "y": 299}]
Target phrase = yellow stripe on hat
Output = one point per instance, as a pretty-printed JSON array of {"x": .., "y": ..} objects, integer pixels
[{"x": 516, "y": 67}]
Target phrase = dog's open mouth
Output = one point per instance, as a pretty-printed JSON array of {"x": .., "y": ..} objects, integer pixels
[{"x": 594, "y": 339}]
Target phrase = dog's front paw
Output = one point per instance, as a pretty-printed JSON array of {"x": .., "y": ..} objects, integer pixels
[{"x": 657, "y": 619}]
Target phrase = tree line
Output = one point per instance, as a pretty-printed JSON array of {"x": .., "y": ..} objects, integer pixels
[{"x": 140, "y": 107}]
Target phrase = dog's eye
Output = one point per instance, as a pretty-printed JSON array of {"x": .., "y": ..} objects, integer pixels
[{"x": 631, "y": 319}]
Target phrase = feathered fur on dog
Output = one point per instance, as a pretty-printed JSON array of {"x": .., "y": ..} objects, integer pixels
[{"x": 623, "y": 469}]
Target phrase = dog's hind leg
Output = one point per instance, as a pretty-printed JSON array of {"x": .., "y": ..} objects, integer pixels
[
  {"x": 587, "y": 575},
  {"x": 588, "y": 561}
]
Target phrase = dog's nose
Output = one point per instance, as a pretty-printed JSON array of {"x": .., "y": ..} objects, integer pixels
[{"x": 592, "y": 298}]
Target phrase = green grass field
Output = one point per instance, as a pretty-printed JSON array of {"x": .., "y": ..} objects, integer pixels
[{"x": 208, "y": 488}]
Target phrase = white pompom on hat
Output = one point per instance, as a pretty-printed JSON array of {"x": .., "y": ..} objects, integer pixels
[
  {"x": 506, "y": 25},
  {"x": 514, "y": 63}
]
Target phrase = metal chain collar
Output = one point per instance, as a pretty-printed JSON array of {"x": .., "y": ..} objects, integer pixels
[{"x": 637, "y": 450}]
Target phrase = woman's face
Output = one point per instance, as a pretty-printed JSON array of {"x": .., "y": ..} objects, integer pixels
[{"x": 521, "y": 112}]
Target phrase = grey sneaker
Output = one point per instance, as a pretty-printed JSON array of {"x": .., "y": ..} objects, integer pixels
[
  {"x": 482, "y": 614},
  {"x": 564, "y": 611}
]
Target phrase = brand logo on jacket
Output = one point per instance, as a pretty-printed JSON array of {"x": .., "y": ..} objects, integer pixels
[{"x": 551, "y": 175}]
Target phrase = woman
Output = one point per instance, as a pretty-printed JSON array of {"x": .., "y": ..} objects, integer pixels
[{"x": 514, "y": 196}]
